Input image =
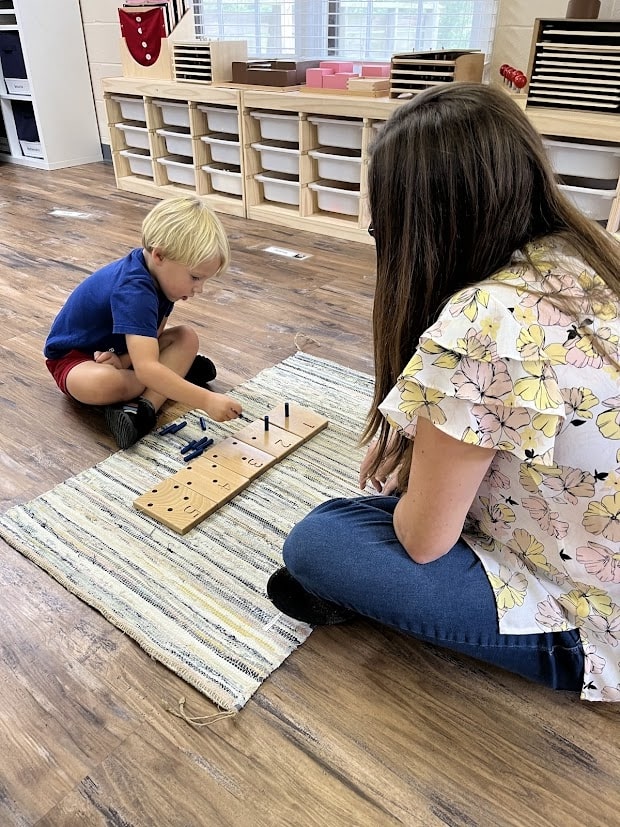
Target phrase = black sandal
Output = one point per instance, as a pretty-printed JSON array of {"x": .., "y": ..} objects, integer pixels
[
  {"x": 290, "y": 597},
  {"x": 201, "y": 372}
]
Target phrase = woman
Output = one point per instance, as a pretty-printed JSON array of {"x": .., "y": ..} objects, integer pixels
[{"x": 496, "y": 412}]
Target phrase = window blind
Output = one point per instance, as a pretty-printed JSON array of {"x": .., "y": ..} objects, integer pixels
[{"x": 371, "y": 30}]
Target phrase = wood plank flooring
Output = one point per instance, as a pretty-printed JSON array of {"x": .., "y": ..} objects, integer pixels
[{"x": 361, "y": 726}]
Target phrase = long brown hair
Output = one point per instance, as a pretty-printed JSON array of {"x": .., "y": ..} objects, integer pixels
[{"x": 459, "y": 180}]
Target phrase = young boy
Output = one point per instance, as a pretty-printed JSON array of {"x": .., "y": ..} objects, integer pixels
[{"x": 109, "y": 344}]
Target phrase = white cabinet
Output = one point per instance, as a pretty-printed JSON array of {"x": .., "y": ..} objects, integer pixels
[{"x": 46, "y": 99}]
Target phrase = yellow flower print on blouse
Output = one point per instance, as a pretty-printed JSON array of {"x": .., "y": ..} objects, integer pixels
[
  {"x": 415, "y": 397},
  {"x": 582, "y": 353},
  {"x": 541, "y": 387},
  {"x": 413, "y": 366},
  {"x": 531, "y": 345},
  {"x": 603, "y": 308},
  {"x": 510, "y": 588},
  {"x": 608, "y": 422},
  {"x": 603, "y": 517},
  {"x": 585, "y": 600},
  {"x": 468, "y": 302},
  {"x": 529, "y": 550}
]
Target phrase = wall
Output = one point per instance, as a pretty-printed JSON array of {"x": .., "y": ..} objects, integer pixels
[{"x": 512, "y": 39}]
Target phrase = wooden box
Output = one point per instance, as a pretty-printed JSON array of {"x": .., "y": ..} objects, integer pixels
[{"x": 413, "y": 71}]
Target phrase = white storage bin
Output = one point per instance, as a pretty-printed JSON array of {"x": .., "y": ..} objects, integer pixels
[
  {"x": 278, "y": 126},
  {"x": 178, "y": 140},
  {"x": 338, "y": 163},
  {"x": 17, "y": 86},
  {"x": 173, "y": 113},
  {"x": 337, "y": 196},
  {"x": 282, "y": 156},
  {"x": 179, "y": 170},
  {"x": 131, "y": 108},
  {"x": 135, "y": 134},
  {"x": 224, "y": 147},
  {"x": 225, "y": 178},
  {"x": 334, "y": 132},
  {"x": 584, "y": 160},
  {"x": 280, "y": 186},
  {"x": 220, "y": 119},
  {"x": 140, "y": 161},
  {"x": 32, "y": 149},
  {"x": 594, "y": 203}
]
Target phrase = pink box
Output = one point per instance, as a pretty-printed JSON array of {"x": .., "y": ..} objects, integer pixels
[
  {"x": 336, "y": 66},
  {"x": 382, "y": 71},
  {"x": 314, "y": 77},
  {"x": 338, "y": 80}
]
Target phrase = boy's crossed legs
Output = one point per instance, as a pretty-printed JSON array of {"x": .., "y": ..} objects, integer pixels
[{"x": 131, "y": 410}]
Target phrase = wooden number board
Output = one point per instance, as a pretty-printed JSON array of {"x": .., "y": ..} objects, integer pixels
[{"x": 184, "y": 499}]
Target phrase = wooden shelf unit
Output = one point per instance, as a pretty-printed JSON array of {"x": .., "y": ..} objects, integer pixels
[
  {"x": 251, "y": 203},
  {"x": 309, "y": 215},
  {"x": 145, "y": 93}
]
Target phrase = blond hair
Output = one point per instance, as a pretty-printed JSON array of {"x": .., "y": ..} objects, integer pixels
[{"x": 187, "y": 231}]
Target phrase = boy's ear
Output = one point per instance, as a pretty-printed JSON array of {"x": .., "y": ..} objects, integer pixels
[{"x": 157, "y": 255}]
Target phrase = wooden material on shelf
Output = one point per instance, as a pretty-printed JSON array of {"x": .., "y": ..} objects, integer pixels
[
  {"x": 575, "y": 65},
  {"x": 204, "y": 61},
  {"x": 162, "y": 69},
  {"x": 303, "y": 106},
  {"x": 413, "y": 71}
]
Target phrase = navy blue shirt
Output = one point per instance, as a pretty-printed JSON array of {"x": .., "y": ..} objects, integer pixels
[{"x": 118, "y": 299}]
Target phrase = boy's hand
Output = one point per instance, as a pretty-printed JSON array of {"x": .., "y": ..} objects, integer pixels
[
  {"x": 106, "y": 357},
  {"x": 221, "y": 408}
]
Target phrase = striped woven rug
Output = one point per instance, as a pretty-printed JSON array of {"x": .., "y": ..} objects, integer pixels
[{"x": 197, "y": 603}]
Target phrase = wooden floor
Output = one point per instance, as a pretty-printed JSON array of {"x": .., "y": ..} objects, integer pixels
[{"x": 361, "y": 726}]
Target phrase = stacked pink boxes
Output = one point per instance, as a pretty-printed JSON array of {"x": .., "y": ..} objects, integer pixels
[{"x": 333, "y": 74}]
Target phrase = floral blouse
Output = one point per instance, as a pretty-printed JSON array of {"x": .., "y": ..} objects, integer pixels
[{"x": 503, "y": 368}]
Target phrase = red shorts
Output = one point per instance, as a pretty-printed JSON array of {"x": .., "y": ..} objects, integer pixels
[{"x": 59, "y": 368}]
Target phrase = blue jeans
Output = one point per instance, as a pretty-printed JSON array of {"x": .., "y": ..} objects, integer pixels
[{"x": 346, "y": 551}]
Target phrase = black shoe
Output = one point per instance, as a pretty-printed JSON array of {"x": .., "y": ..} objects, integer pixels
[
  {"x": 201, "y": 372},
  {"x": 130, "y": 421},
  {"x": 290, "y": 597}
]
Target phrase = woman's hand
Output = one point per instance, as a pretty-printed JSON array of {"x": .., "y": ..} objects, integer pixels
[{"x": 385, "y": 479}]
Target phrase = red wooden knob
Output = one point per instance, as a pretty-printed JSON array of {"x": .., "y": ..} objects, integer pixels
[{"x": 519, "y": 80}]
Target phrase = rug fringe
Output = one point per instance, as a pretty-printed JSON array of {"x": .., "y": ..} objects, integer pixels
[{"x": 199, "y": 720}]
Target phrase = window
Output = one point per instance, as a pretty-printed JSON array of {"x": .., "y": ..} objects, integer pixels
[{"x": 371, "y": 30}]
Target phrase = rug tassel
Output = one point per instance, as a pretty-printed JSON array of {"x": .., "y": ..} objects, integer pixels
[
  {"x": 200, "y": 720},
  {"x": 308, "y": 340}
]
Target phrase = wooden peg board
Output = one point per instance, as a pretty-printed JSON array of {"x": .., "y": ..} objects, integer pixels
[{"x": 186, "y": 498}]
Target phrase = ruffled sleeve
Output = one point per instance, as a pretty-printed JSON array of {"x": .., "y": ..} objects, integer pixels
[{"x": 483, "y": 377}]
